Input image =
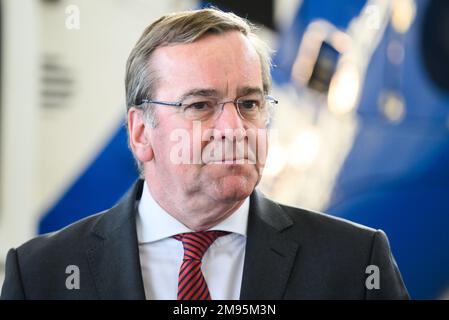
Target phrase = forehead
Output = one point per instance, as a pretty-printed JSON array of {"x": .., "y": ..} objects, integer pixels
[{"x": 224, "y": 62}]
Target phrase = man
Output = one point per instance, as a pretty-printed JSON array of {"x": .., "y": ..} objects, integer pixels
[{"x": 194, "y": 227}]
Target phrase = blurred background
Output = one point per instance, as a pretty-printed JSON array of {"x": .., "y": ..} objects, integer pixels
[{"x": 361, "y": 131}]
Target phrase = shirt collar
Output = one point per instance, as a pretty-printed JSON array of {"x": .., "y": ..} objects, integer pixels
[{"x": 154, "y": 223}]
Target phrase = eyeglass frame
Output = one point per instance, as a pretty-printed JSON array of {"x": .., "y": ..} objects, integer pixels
[{"x": 267, "y": 98}]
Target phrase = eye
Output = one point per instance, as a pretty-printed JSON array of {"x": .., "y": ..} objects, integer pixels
[
  {"x": 199, "y": 106},
  {"x": 248, "y": 104},
  {"x": 199, "y": 110}
]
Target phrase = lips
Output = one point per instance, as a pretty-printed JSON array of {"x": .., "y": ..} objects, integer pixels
[
  {"x": 227, "y": 154},
  {"x": 231, "y": 161}
]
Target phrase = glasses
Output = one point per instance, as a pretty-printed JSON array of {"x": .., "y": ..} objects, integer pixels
[{"x": 253, "y": 108}]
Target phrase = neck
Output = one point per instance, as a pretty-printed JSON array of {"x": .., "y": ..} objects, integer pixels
[{"x": 198, "y": 212}]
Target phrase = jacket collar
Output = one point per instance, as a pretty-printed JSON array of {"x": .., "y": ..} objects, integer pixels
[
  {"x": 114, "y": 258},
  {"x": 270, "y": 254}
]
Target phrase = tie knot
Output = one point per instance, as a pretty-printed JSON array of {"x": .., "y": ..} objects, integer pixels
[{"x": 196, "y": 243}]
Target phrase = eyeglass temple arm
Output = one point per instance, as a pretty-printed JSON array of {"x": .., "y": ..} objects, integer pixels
[
  {"x": 162, "y": 103},
  {"x": 271, "y": 99}
]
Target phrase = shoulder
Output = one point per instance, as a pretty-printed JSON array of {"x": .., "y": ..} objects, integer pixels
[
  {"x": 79, "y": 236},
  {"x": 335, "y": 253},
  {"x": 65, "y": 242},
  {"x": 328, "y": 233},
  {"x": 322, "y": 223},
  {"x": 38, "y": 268}
]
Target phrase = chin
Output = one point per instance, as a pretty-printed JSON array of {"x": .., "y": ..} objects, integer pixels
[
  {"x": 233, "y": 188},
  {"x": 230, "y": 182}
]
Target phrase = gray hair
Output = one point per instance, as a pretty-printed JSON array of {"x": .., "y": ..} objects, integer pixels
[{"x": 182, "y": 27}]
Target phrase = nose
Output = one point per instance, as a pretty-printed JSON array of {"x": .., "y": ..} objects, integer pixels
[{"x": 229, "y": 123}]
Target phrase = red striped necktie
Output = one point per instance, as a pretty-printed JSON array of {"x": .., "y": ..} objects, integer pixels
[{"x": 191, "y": 282}]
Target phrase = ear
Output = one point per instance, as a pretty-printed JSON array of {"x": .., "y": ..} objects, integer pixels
[{"x": 139, "y": 135}]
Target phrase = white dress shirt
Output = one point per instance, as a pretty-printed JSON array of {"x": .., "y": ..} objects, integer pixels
[{"x": 161, "y": 255}]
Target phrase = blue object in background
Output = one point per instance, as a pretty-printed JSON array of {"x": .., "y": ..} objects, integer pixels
[
  {"x": 98, "y": 188},
  {"x": 396, "y": 176},
  {"x": 339, "y": 13}
]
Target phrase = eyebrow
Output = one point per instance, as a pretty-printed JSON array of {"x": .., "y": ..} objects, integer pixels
[
  {"x": 205, "y": 92},
  {"x": 198, "y": 92},
  {"x": 248, "y": 90}
]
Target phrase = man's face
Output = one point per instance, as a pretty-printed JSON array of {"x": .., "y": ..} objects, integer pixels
[{"x": 222, "y": 67}]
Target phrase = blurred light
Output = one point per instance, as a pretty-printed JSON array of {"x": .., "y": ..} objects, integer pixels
[
  {"x": 341, "y": 41},
  {"x": 403, "y": 13},
  {"x": 392, "y": 106},
  {"x": 395, "y": 52},
  {"x": 344, "y": 89},
  {"x": 319, "y": 29},
  {"x": 304, "y": 149},
  {"x": 317, "y": 34},
  {"x": 276, "y": 161},
  {"x": 307, "y": 54}
]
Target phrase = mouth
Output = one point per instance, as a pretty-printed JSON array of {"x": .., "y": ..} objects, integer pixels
[
  {"x": 228, "y": 154},
  {"x": 231, "y": 161}
]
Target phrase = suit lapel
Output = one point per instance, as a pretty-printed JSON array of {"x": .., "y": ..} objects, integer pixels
[
  {"x": 114, "y": 255},
  {"x": 270, "y": 255}
]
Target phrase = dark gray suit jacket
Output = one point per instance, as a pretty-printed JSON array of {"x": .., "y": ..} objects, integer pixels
[{"x": 291, "y": 253}]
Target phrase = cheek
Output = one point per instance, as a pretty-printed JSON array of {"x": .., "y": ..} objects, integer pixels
[
  {"x": 262, "y": 150},
  {"x": 172, "y": 144},
  {"x": 258, "y": 144}
]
